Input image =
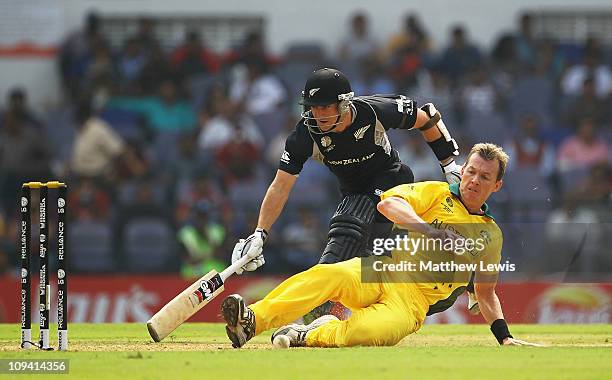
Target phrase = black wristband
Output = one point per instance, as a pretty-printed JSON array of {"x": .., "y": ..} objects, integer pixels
[{"x": 499, "y": 328}]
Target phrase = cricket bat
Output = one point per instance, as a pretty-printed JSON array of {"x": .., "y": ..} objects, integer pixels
[{"x": 192, "y": 299}]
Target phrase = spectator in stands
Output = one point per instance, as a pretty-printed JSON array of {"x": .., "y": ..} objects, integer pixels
[
  {"x": 238, "y": 157},
  {"x": 251, "y": 48},
  {"x": 525, "y": 43},
  {"x": 422, "y": 163},
  {"x": 551, "y": 58},
  {"x": 407, "y": 52},
  {"x": 359, "y": 43},
  {"x": 203, "y": 187},
  {"x": 460, "y": 57},
  {"x": 97, "y": 148},
  {"x": 256, "y": 89},
  {"x": 155, "y": 70},
  {"x": 17, "y": 104},
  {"x": 166, "y": 112},
  {"x": 412, "y": 34},
  {"x": 276, "y": 145},
  {"x": 215, "y": 99},
  {"x": 189, "y": 161},
  {"x": 587, "y": 104},
  {"x": 504, "y": 57},
  {"x": 303, "y": 240},
  {"x": 583, "y": 149},
  {"x": 528, "y": 149},
  {"x": 88, "y": 201},
  {"x": 193, "y": 57},
  {"x": 200, "y": 239},
  {"x": 145, "y": 36},
  {"x": 130, "y": 64},
  {"x": 134, "y": 162},
  {"x": 373, "y": 78},
  {"x": 24, "y": 155},
  {"x": 101, "y": 63},
  {"x": 591, "y": 67},
  {"x": 100, "y": 79},
  {"x": 433, "y": 87},
  {"x": 221, "y": 129},
  {"x": 595, "y": 190},
  {"x": 146, "y": 196},
  {"x": 76, "y": 53},
  {"x": 479, "y": 94}
]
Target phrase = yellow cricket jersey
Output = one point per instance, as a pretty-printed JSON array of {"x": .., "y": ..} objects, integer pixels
[{"x": 440, "y": 205}]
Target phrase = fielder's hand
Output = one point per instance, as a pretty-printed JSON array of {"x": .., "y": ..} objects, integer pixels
[
  {"x": 251, "y": 247},
  {"x": 452, "y": 171},
  {"x": 517, "y": 342}
]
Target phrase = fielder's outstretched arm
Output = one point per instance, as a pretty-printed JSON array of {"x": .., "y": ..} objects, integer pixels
[
  {"x": 403, "y": 215},
  {"x": 490, "y": 307},
  {"x": 491, "y": 310}
]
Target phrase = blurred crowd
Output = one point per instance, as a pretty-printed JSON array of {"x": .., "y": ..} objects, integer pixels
[{"x": 168, "y": 152}]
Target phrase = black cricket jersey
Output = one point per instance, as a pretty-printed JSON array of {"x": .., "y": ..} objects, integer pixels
[{"x": 360, "y": 152}]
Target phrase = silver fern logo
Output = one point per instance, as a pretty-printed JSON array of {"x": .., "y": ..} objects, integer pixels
[{"x": 361, "y": 132}]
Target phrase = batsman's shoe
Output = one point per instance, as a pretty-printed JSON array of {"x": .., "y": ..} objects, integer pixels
[
  {"x": 297, "y": 333},
  {"x": 240, "y": 320},
  {"x": 473, "y": 307}
]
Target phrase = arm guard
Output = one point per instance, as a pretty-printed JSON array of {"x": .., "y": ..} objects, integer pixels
[{"x": 444, "y": 147}]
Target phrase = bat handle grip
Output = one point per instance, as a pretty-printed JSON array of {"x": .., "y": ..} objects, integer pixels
[{"x": 234, "y": 267}]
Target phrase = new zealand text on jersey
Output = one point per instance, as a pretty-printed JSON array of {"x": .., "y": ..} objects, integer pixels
[{"x": 348, "y": 161}]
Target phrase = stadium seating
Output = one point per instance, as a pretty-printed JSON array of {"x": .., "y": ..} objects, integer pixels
[
  {"x": 127, "y": 124},
  {"x": 149, "y": 245},
  {"x": 532, "y": 95},
  {"x": 92, "y": 244}
]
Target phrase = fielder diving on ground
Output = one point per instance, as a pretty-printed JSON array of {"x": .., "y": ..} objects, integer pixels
[{"x": 384, "y": 312}]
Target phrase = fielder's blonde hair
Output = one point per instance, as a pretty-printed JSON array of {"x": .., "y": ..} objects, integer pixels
[{"x": 490, "y": 152}]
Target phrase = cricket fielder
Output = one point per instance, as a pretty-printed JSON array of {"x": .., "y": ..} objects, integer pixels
[{"x": 387, "y": 310}]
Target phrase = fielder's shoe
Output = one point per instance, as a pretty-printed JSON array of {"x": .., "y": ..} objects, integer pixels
[
  {"x": 473, "y": 307},
  {"x": 240, "y": 320},
  {"x": 297, "y": 333}
]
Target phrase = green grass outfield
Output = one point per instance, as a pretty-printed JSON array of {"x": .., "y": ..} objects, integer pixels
[{"x": 201, "y": 351}]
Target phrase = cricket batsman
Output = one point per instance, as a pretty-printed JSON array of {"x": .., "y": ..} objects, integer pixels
[{"x": 387, "y": 310}]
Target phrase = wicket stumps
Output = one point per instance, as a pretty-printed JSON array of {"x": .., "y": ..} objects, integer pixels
[{"x": 44, "y": 286}]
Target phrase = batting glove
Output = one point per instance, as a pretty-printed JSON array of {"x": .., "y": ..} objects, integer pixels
[
  {"x": 251, "y": 247},
  {"x": 452, "y": 171}
]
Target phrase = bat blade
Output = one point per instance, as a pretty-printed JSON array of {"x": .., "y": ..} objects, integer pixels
[{"x": 186, "y": 304}]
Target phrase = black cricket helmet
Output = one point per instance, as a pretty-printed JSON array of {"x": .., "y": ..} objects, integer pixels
[{"x": 323, "y": 87}]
